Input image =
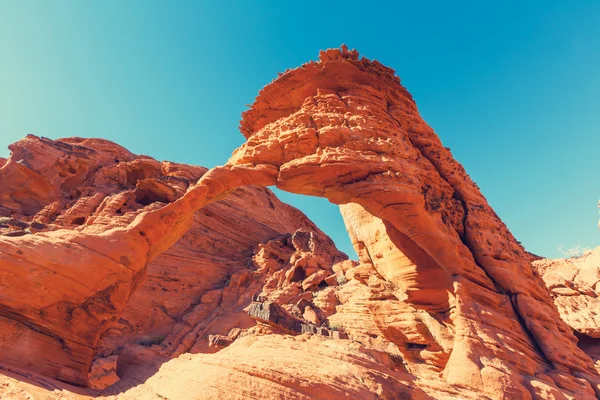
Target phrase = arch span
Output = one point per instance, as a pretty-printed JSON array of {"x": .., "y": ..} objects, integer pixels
[{"x": 345, "y": 129}]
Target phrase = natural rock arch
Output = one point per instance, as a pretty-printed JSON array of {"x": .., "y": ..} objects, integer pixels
[{"x": 345, "y": 129}]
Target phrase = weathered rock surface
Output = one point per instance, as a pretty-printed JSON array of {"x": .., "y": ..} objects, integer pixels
[
  {"x": 347, "y": 130},
  {"x": 443, "y": 303},
  {"x": 574, "y": 285},
  {"x": 81, "y": 275}
]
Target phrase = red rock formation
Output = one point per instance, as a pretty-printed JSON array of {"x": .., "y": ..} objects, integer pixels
[
  {"x": 443, "y": 303},
  {"x": 347, "y": 130},
  {"x": 71, "y": 247}
]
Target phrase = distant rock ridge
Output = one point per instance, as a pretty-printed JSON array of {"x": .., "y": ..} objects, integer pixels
[
  {"x": 442, "y": 303},
  {"x": 574, "y": 285}
]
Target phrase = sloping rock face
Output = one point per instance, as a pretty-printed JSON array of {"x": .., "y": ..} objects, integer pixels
[
  {"x": 443, "y": 302},
  {"x": 61, "y": 289}
]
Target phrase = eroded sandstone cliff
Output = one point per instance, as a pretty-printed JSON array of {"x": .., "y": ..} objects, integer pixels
[{"x": 145, "y": 271}]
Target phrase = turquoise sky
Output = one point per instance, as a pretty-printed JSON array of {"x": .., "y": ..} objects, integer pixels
[{"x": 513, "y": 88}]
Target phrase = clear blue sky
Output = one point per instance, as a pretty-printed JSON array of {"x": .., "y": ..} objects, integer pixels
[{"x": 512, "y": 88}]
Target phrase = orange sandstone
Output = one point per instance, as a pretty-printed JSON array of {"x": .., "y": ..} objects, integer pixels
[{"x": 137, "y": 273}]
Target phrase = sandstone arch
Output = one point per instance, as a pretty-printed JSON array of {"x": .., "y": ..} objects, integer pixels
[{"x": 345, "y": 129}]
